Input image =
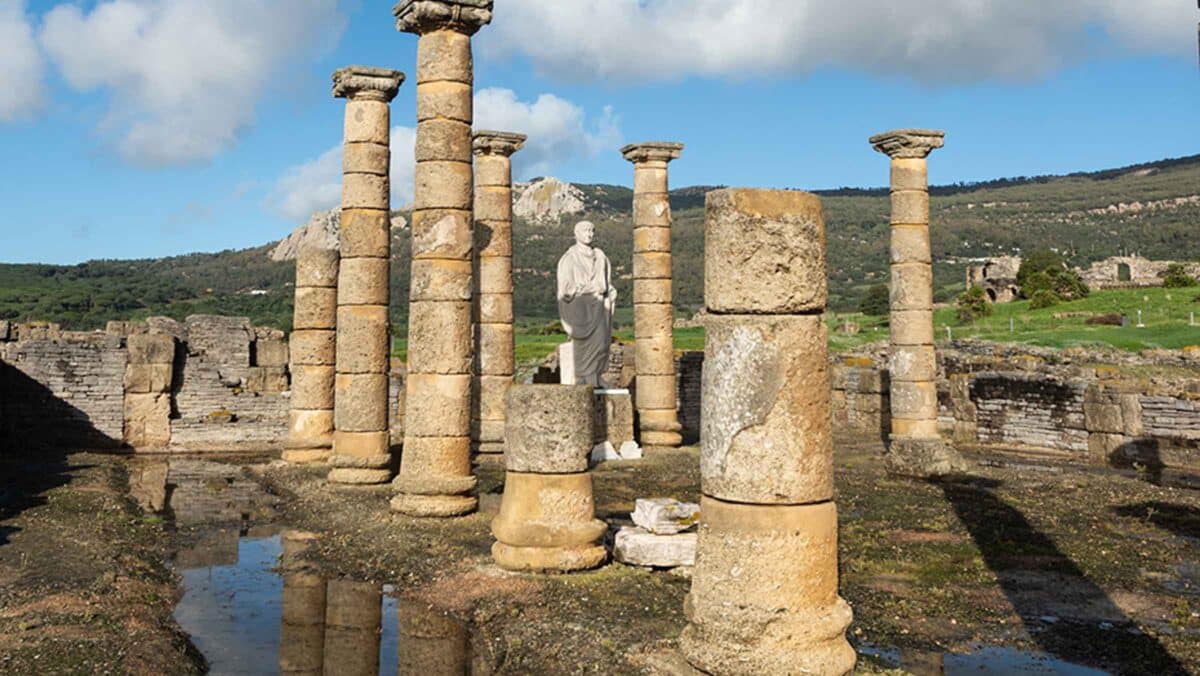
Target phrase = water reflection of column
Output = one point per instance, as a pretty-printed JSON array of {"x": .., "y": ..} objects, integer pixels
[
  {"x": 352, "y": 622},
  {"x": 302, "y": 630},
  {"x": 431, "y": 644}
]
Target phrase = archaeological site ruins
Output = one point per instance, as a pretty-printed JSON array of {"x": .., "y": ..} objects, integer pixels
[{"x": 465, "y": 486}]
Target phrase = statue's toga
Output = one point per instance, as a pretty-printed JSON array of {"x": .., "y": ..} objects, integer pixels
[{"x": 586, "y": 299}]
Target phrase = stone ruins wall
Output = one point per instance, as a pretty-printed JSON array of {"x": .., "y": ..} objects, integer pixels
[
  {"x": 206, "y": 384},
  {"x": 1057, "y": 403}
]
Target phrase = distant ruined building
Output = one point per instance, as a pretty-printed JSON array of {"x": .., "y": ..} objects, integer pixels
[{"x": 998, "y": 276}]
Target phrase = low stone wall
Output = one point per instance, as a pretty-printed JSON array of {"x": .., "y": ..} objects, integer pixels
[
  {"x": 1059, "y": 403},
  {"x": 206, "y": 384}
]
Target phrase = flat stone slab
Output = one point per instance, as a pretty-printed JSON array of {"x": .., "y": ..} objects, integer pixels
[
  {"x": 665, "y": 516},
  {"x": 636, "y": 546},
  {"x": 605, "y": 451}
]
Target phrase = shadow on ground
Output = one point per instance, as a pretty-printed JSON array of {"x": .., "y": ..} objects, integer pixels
[{"x": 1042, "y": 582}]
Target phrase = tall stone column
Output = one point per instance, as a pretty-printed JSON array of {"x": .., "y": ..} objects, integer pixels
[
  {"x": 915, "y": 448},
  {"x": 493, "y": 274},
  {"x": 764, "y": 597},
  {"x": 435, "y": 469},
  {"x": 314, "y": 321},
  {"x": 653, "y": 313},
  {"x": 361, "y": 447}
]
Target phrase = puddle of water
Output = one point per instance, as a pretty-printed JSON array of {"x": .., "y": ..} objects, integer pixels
[{"x": 984, "y": 661}]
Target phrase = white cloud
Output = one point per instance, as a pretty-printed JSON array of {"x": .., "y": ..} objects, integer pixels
[
  {"x": 184, "y": 75},
  {"x": 558, "y": 131},
  {"x": 929, "y": 40},
  {"x": 21, "y": 65}
]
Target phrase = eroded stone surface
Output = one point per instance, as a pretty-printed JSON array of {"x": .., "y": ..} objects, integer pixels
[
  {"x": 639, "y": 547},
  {"x": 548, "y": 428}
]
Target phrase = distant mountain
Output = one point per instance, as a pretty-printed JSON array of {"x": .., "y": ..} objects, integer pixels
[{"x": 1152, "y": 209}]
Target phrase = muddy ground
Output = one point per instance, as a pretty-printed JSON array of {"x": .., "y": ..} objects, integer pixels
[{"x": 1091, "y": 566}]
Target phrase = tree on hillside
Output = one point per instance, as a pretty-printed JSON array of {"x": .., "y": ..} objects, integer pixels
[
  {"x": 874, "y": 302},
  {"x": 1046, "y": 270}
]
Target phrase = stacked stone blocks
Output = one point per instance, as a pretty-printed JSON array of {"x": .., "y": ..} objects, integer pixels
[
  {"x": 653, "y": 312},
  {"x": 435, "y": 471},
  {"x": 313, "y": 362},
  {"x": 547, "y": 515},
  {"x": 148, "y": 376},
  {"x": 493, "y": 313},
  {"x": 361, "y": 444},
  {"x": 764, "y": 595}
]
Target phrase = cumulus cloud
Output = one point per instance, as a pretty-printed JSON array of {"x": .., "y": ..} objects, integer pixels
[
  {"x": 21, "y": 72},
  {"x": 316, "y": 185},
  {"x": 930, "y": 41},
  {"x": 183, "y": 75},
  {"x": 558, "y": 131}
]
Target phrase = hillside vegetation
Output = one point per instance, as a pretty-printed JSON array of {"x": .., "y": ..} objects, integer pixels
[{"x": 1152, "y": 209}]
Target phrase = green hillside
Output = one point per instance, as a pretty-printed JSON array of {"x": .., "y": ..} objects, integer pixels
[{"x": 1069, "y": 213}]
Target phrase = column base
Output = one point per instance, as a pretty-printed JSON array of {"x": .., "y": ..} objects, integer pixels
[
  {"x": 441, "y": 506},
  {"x": 490, "y": 448},
  {"x": 357, "y": 476},
  {"x": 542, "y": 559},
  {"x": 307, "y": 456},
  {"x": 923, "y": 458},
  {"x": 660, "y": 440},
  {"x": 659, "y": 428},
  {"x": 764, "y": 592}
]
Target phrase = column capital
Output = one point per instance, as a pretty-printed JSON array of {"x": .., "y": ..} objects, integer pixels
[
  {"x": 367, "y": 82},
  {"x": 501, "y": 143},
  {"x": 908, "y": 143},
  {"x": 423, "y": 16},
  {"x": 653, "y": 151}
]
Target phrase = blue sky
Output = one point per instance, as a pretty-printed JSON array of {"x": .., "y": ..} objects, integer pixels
[{"x": 138, "y": 128}]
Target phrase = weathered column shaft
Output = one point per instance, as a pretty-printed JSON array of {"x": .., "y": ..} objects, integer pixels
[
  {"x": 313, "y": 356},
  {"x": 764, "y": 597},
  {"x": 653, "y": 312},
  {"x": 494, "y": 357},
  {"x": 913, "y": 361},
  {"x": 361, "y": 446},
  {"x": 435, "y": 469}
]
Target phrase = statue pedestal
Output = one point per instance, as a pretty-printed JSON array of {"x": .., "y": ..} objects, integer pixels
[{"x": 614, "y": 426}]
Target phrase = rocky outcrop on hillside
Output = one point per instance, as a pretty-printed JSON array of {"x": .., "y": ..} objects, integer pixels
[
  {"x": 322, "y": 231},
  {"x": 548, "y": 199}
]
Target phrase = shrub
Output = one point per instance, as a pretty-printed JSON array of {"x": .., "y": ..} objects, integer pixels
[
  {"x": 973, "y": 304},
  {"x": 874, "y": 302},
  {"x": 552, "y": 329},
  {"x": 1175, "y": 277},
  {"x": 1104, "y": 320},
  {"x": 1047, "y": 271},
  {"x": 1043, "y": 298}
]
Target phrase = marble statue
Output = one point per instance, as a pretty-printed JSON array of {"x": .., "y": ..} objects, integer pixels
[{"x": 586, "y": 299}]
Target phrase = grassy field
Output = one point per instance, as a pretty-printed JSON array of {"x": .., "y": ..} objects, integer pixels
[{"x": 1166, "y": 313}]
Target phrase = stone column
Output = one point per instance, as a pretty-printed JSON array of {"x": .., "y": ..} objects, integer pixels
[
  {"x": 435, "y": 469},
  {"x": 915, "y": 447},
  {"x": 314, "y": 321},
  {"x": 764, "y": 597},
  {"x": 547, "y": 514},
  {"x": 148, "y": 378},
  {"x": 653, "y": 313},
  {"x": 353, "y": 618},
  {"x": 493, "y": 274},
  {"x": 361, "y": 445},
  {"x": 302, "y": 624}
]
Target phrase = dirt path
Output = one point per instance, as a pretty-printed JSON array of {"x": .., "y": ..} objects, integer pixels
[{"x": 83, "y": 587}]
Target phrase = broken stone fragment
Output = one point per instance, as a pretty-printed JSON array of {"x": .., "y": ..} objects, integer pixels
[
  {"x": 638, "y": 547},
  {"x": 665, "y": 516}
]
